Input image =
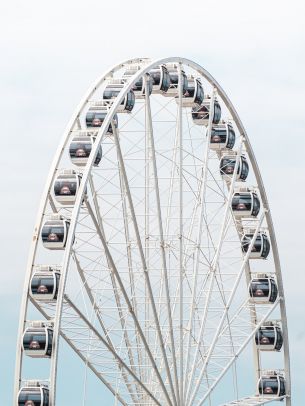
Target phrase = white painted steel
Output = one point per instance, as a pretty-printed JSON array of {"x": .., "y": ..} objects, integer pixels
[{"x": 157, "y": 367}]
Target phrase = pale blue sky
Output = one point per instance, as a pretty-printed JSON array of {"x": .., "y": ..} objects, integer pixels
[{"x": 51, "y": 52}]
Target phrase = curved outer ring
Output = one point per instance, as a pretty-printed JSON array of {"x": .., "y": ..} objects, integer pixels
[{"x": 78, "y": 202}]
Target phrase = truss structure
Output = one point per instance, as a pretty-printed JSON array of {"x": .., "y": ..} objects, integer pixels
[{"x": 153, "y": 294}]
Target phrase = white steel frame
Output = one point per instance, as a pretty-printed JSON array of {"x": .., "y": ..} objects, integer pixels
[{"x": 175, "y": 379}]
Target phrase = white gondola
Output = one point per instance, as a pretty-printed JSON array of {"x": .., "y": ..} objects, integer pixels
[
  {"x": 245, "y": 203},
  {"x": 66, "y": 186},
  {"x": 81, "y": 146},
  {"x": 269, "y": 337},
  {"x": 54, "y": 232},
  {"x": 96, "y": 115},
  {"x": 161, "y": 79},
  {"x": 45, "y": 283},
  {"x": 228, "y": 162},
  {"x": 33, "y": 393},
  {"x": 112, "y": 91},
  {"x": 263, "y": 289},
  {"x": 261, "y": 246},
  {"x": 174, "y": 81},
  {"x": 201, "y": 114},
  {"x": 37, "y": 340},
  {"x": 138, "y": 87},
  {"x": 194, "y": 94},
  {"x": 272, "y": 383},
  {"x": 222, "y": 136}
]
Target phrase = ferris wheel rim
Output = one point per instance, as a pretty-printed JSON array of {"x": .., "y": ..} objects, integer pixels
[{"x": 87, "y": 172}]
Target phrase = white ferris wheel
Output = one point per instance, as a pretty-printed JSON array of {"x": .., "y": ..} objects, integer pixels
[{"x": 154, "y": 256}]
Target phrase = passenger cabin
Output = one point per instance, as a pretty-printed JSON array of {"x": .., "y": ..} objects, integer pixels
[
  {"x": 45, "y": 283},
  {"x": 80, "y": 149},
  {"x": 138, "y": 86},
  {"x": 269, "y": 337},
  {"x": 66, "y": 186},
  {"x": 260, "y": 248},
  {"x": 201, "y": 114},
  {"x": 227, "y": 166},
  {"x": 194, "y": 94},
  {"x": 54, "y": 232},
  {"x": 222, "y": 136},
  {"x": 161, "y": 79},
  {"x": 112, "y": 91},
  {"x": 272, "y": 383},
  {"x": 245, "y": 203},
  {"x": 37, "y": 341},
  {"x": 96, "y": 115},
  {"x": 263, "y": 289},
  {"x": 173, "y": 90},
  {"x": 34, "y": 394}
]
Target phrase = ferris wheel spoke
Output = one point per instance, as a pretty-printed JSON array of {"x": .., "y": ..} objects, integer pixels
[
  {"x": 105, "y": 343},
  {"x": 127, "y": 300},
  {"x": 105, "y": 331},
  {"x": 95, "y": 369},
  {"x": 214, "y": 341},
  {"x": 115, "y": 290},
  {"x": 198, "y": 242},
  {"x": 145, "y": 270},
  {"x": 224, "y": 227},
  {"x": 239, "y": 351},
  {"x": 161, "y": 236},
  {"x": 130, "y": 268},
  {"x": 180, "y": 235}
]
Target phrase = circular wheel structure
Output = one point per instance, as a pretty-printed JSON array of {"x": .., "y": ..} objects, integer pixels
[{"x": 154, "y": 256}]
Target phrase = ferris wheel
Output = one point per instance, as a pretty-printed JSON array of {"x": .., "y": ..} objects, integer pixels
[{"x": 154, "y": 257}]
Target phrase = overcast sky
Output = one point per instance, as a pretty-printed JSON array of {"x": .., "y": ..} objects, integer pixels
[{"x": 52, "y": 51}]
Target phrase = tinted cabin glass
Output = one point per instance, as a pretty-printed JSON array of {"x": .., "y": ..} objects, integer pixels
[
  {"x": 257, "y": 246},
  {"x": 219, "y": 135},
  {"x": 156, "y": 75},
  {"x": 266, "y": 246},
  {"x": 111, "y": 93},
  {"x": 95, "y": 118},
  {"x": 174, "y": 78},
  {"x": 42, "y": 285},
  {"x": 231, "y": 137},
  {"x": 265, "y": 336},
  {"x": 98, "y": 156},
  {"x": 25, "y": 397},
  {"x": 217, "y": 113},
  {"x": 227, "y": 166},
  {"x": 184, "y": 82},
  {"x": 52, "y": 233},
  {"x": 200, "y": 113},
  {"x": 80, "y": 149},
  {"x": 65, "y": 187},
  {"x": 244, "y": 168},
  {"x": 242, "y": 202},
  {"x": 190, "y": 91},
  {"x": 165, "y": 80},
  {"x": 45, "y": 397},
  {"x": 279, "y": 341},
  {"x": 199, "y": 94},
  {"x": 256, "y": 205},
  {"x": 34, "y": 341},
  {"x": 274, "y": 291},
  {"x": 282, "y": 387},
  {"x": 269, "y": 386},
  {"x": 130, "y": 101},
  {"x": 260, "y": 288},
  {"x": 137, "y": 86}
]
